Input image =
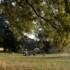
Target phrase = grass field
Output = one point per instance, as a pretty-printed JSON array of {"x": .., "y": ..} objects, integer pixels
[{"x": 46, "y": 62}]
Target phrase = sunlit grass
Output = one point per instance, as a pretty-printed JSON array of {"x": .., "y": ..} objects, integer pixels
[{"x": 46, "y": 62}]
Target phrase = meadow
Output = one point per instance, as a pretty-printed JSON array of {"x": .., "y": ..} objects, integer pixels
[{"x": 38, "y": 62}]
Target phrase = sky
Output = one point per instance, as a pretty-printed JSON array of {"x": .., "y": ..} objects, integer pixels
[
  {"x": 1, "y": 1},
  {"x": 32, "y": 36}
]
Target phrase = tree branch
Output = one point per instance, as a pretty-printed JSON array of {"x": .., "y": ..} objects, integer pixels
[{"x": 46, "y": 20}]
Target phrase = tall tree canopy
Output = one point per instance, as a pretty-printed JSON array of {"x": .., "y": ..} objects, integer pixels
[{"x": 51, "y": 15}]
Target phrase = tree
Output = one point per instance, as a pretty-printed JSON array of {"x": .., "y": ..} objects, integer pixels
[
  {"x": 19, "y": 22},
  {"x": 53, "y": 16},
  {"x": 56, "y": 15},
  {"x": 10, "y": 42}
]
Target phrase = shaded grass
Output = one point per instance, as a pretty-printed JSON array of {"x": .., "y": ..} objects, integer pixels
[{"x": 20, "y": 62}]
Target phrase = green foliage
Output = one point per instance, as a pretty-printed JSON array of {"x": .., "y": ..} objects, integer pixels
[{"x": 53, "y": 17}]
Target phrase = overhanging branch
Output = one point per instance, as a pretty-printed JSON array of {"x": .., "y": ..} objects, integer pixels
[{"x": 46, "y": 20}]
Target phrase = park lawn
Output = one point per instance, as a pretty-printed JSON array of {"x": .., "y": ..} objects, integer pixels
[{"x": 44, "y": 62}]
